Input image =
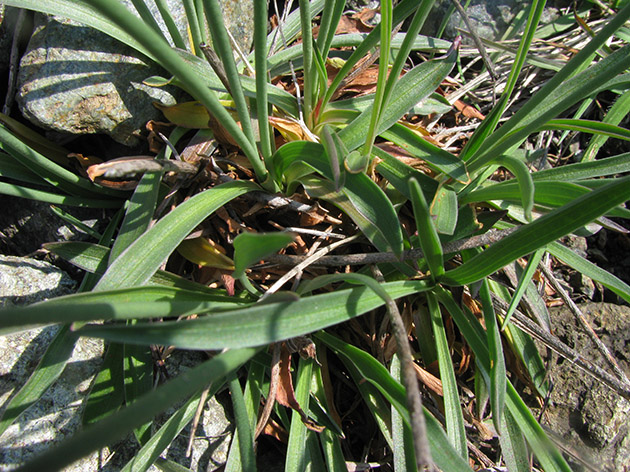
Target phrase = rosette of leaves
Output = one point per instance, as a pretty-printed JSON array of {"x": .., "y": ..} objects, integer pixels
[{"x": 431, "y": 251}]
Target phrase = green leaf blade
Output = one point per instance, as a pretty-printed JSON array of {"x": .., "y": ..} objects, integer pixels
[
  {"x": 141, "y": 260},
  {"x": 541, "y": 232}
]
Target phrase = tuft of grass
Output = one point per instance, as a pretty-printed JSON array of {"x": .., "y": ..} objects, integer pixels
[{"x": 425, "y": 227}]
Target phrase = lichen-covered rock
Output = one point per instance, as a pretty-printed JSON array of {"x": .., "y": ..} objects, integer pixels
[
  {"x": 590, "y": 418},
  {"x": 77, "y": 80},
  {"x": 490, "y": 18},
  {"x": 24, "y": 280},
  {"x": 57, "y": 414}
]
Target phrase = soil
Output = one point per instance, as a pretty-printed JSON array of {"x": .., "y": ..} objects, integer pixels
[{"x": 588, "y": 419}]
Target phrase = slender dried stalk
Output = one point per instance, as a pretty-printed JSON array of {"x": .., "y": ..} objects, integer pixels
[
  {"x": 410, "y": 381},
  {"x": 381, "y": 257}
]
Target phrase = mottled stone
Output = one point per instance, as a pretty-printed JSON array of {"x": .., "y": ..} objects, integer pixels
[
  {"x": 590, "y": 418},
  {"x": 24, "y": 280},
  {"x": 57, "y": 414},
  {"x": 489, "y": 18},
  {"x": 76, "y": 80}
]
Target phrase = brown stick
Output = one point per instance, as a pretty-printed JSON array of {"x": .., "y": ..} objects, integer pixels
[
  {"x": 410, "y": 381},
  {"x": 490, "y": 237}
]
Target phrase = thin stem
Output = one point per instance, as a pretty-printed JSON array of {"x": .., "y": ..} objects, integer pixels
[
  {"x": 410, "y": 381},
  {"x": 379, "y": 96},
  {"x": 382, "y": 257},
  {"x": 309, "y": 72},
  {"x": 260, "y": 55}
]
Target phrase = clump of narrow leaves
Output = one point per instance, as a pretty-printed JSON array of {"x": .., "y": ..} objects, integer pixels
[{"x": 333, "y": 244}]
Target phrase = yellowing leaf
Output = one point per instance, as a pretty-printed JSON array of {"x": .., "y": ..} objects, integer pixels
[
  {"x": 291, "y": 129},
  {"x": 187, "y": 114},
  {"x": 200, "y": 251}
]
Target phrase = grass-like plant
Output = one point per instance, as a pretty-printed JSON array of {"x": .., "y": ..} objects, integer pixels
[{"x": 427, "y": 244}]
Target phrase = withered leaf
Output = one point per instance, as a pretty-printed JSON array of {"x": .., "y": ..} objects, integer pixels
[
  {"x": 129, "y": 167},
  {"x": 286, "y": 394},
  {"x": 468, "y": 110},
  {"x": 291, "y": 129}
]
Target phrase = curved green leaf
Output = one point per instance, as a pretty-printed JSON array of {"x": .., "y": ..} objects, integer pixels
[
  {"x": 141, "y": 260},
  {"x": 555, "y": 97},
  {"x": 591, "y": 270},
  {"x": 429, "y": 239},
  {"x": 435, "y": 157},
  {"x": 263, "y": 323},
  {"x": 543, "y": 448},
  {"x": 93, "y": 259},
  {"x": 498, "y": 374},
  {"x": 452, "y": 407},
  {"x": 444, "y": 210},
  {"x": 55, "y": 198},
  {"x": 524, "y": 180},
  {"x": 297, "y": 454},
  {"x": 358, "y": 210},
  {"x": 542, "y": 231},
  {"x": 547, "y": 194},
  {"x": 123, "y": 304},
  {"x": 588, "y": 126},
  {"x": 376, "y": 215},
  {"x": 585, "y": 170},
  {"x": 412, "y": 87},
  {"x": 250, "y": 248},
  {"x": 443, "y": 453},
  {"x": 615, "y": 114}
]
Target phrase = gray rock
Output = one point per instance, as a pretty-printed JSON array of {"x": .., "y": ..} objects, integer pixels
[
  {"x": 24, "y": 280},
  {"x": 490, "y": 18},
  {"x": 57, "y": 414},
  {"x": 587, "y": 416},
  {"x": 76, "y": 80}
]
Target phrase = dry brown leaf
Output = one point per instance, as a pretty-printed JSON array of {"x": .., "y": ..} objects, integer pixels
[
  {"x": 233, "y": 225},
  {"x": 313, "y": 217},
  {"x": 219, "y": 132},
  {"x": 286, "y": 394},
  {"x": 366, "y": 15},
  {"x": 124, "y": 169},
  {"x": 429, "y": 380},
  {"x": 349, "y": 24},
  {"x": 468, "y": 110},
  {"x": 85, "y": 161},
  {"x": 363, "y": 84},
  {"x": 198, "y": 147},
  {"x": 154, "y": 127},
  {"x": 273, "y": 429},
  {"x": 290, "y": 129},
  {"x": 466, "y": 360},
  {"x": 228, "y": 282}
]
